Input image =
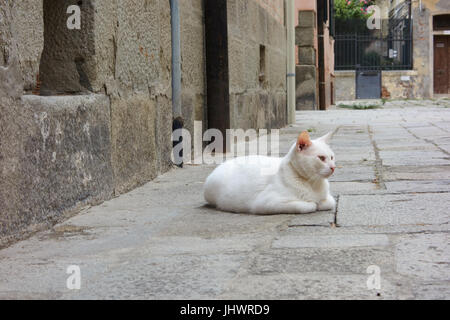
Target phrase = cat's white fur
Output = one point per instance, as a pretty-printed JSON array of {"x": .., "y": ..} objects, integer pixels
[{"x": 299, "y": 185}]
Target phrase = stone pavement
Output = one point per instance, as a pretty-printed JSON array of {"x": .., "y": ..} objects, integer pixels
[{"x": 160, "y": 241}]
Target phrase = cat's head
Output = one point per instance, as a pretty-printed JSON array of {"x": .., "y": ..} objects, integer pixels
[{"x": 313, "y": 158}]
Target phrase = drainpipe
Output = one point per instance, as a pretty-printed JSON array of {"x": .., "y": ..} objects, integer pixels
[
  {"x": 176, "y": 68},
  {"x": 290, "y": 70}
]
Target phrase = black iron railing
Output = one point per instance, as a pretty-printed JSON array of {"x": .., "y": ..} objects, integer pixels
[
  {"x": 388, "y": 53},
  {"x": 387, "y": 48}
]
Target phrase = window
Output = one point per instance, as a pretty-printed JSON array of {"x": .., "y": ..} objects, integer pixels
[{"x": 441, "y": 22}]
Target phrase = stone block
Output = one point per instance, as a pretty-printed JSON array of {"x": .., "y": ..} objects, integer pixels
[
  {"x": 304, "y": 37},
  {"x": 424, "y": 257},
  {"x": 423, "y": 209},
  {"x": 305, "y": 87},
  {"x": 307, "y": 56},
  {"x": 307, "y": 19},
  {"x": 138, "y": 153},
  {"x": 61, "y": 161}
]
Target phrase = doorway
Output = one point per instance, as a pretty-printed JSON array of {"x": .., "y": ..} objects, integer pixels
[
  {"x": 441, "y": 71},
  {"x": 217, "y": 78}
]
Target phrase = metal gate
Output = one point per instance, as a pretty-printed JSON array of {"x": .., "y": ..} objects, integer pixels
[{"x": 368, "y": 84}]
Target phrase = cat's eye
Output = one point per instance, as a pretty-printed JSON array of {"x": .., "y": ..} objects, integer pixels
[
  {"x": 332, "y": 158},
  {"x": 322, "y": 158}
]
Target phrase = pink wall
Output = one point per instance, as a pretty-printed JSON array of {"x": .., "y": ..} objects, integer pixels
[{"x": 304, "y": 5}]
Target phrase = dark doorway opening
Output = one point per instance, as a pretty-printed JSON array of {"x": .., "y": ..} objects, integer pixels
[{"x": 217, "y": 78}]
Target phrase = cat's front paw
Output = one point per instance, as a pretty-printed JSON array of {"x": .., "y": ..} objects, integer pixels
[
  {"x": 328, "y": 204},
  {"x": 307, "y": 207}
]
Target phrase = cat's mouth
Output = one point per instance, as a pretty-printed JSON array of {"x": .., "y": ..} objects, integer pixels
[{"x": 328, "y": 173}]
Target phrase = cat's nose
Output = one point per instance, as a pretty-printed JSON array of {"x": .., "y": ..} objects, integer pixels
[{"x": 332, "y": 169}]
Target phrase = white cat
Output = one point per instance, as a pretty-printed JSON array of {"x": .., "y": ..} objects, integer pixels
[{"x": 299, "y": 185}]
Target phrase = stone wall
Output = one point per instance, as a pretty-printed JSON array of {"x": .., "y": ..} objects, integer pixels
[
  {"x": 137, "y": 79},
  {"x": 98, "y": 120},
  {"x": 306, "y": 76},
  {"x": 315, "y": 58},
  {"x": 345, "y": 85},
  {"x": 400, "y": 84},
  {"x": 58, "y": 153},
  {"x": 257, "y": 64},
  {"x": 193, "y": 81}
]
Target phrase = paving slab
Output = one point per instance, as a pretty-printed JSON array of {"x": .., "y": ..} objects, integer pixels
[
  {"x": 331, "y": 241},
  {"x": 404, "y": 186},
  {"x": 354, "y": 172},
  {"x": 343, "y": 187},
  {"x": 306, "y": 230},
  {"x": 312, "y": 286},
  {"x": 424, "y": 256},
  {"x": 444, "y": 147},
  {"x": 403, "y": 209},
  {"x": 395, "y": 158},
  {"x": 391, "y": 173},
  {"x": 439, "y": 290},
  {"x": 320, "y": 218},
  {"x": 350, "y": 260}
]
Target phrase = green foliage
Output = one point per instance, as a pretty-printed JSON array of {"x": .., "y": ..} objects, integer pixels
[{"x": 352, "y": 9}]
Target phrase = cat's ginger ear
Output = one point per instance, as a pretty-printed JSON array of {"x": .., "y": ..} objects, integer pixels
[{"x": 303, "y": 141}]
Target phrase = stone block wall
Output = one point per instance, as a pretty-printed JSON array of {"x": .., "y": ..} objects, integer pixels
[
  {"x": 345, "y": 85},
  {"x": 193, "y": 79},
  {"x": 78, "y": 144},
  {"x": 257, "y": 64},
  {"x": 98, "y": 121},
  {"x": 400, "y": 84},
  {"x": 306, "y": 77}
]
